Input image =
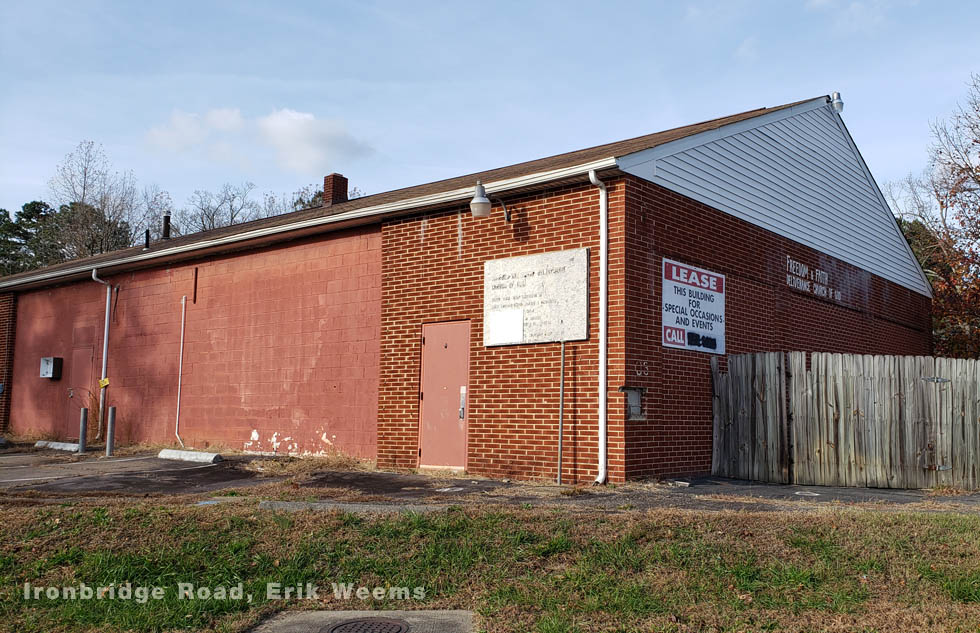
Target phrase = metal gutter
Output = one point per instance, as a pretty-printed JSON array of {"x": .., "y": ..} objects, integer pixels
[{"x": 454, "y": 195}]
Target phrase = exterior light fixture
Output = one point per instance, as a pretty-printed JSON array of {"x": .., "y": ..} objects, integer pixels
[
  {"x": 836, "y": 102},
  {"x": 480, "y": 204}
]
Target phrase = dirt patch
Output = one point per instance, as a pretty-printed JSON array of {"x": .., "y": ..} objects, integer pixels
[
  {"x": 161, "y": 476},
  {"x": 400, "y": 486}
]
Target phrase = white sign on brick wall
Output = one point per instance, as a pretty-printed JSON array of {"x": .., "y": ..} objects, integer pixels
[
  {"x": 536, "y": 298},
  {"x": 693, "y": 308}
]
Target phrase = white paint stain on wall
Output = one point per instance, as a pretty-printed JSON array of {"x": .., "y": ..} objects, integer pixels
[
  {"x": 253, "y": 441},
  {"x": 288, "y": 444}
]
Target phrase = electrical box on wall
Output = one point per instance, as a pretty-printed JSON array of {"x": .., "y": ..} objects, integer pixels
[
  {"x": 51, "y": 367},
  {"x": 634, "y": 402}
]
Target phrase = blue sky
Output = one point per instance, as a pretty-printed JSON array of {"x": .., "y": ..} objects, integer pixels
[{"x": 189, "y": 95}]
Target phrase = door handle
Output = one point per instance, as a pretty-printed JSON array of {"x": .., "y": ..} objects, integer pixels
[
  {"x": 462, "y": 405},
  {"x": 71, "y": 392}
]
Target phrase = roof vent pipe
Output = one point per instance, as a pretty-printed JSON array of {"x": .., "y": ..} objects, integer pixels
[
  {"x": 836, "y": 102},
  {"x": 146, "y": 242},
  {"x": 166, "y": 226}
]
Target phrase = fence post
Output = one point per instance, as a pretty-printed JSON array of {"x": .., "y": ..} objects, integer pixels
[
  {"x": 785, "y": 463},
  {"x": 110, "y": 432},
  {"x": 716, "y": 434},
  {"x": 82, "y": 431}
]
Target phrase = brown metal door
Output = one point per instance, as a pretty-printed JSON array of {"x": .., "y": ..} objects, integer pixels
[
  {"x": 443, "y": 399},
  {"x": 80, "y": 385}
]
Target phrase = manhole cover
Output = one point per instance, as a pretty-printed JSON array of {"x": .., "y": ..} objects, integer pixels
[{"x": 369, "y": 625}]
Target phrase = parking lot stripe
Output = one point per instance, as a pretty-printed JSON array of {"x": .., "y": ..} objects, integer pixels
[
  {"x": 107, "y": 461},
  {"x": 8, "y": 481}
]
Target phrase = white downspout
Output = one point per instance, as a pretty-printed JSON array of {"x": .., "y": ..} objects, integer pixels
[
  {"x": 603, "y": 322},
  {"x": 180, "y": 366},
  {"x": 105, "y": 348}
]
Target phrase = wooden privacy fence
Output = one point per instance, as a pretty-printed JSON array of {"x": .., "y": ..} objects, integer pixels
[{"x": 848, "y": 420}]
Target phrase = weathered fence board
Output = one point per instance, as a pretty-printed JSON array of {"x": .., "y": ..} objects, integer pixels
[
  {"x": 848, "y": 420},
  {"x": 750, "y": 430}
]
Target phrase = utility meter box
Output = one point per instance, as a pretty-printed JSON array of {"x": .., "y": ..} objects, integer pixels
[{"x": 51, "y": 367}]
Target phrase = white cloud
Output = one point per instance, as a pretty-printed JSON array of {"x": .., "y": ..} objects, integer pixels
[
  {"x": 225, "y": 119},
  {"x": 227, "y": 152},
  {"x": 861, "y": 16},
  {"x": 306, "y": 144},
  {"x": 183, "y": 131},
  {"x": 302, "y": 143},
  {"x": 857, "y": 16},
  {"x": 748, "y": 50}
]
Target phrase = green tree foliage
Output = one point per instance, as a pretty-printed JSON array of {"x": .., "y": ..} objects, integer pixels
[
  {"x": 28, "y": 239},
  {"x": 10, "y": 246},
  {"x": 35, "y": 221}
]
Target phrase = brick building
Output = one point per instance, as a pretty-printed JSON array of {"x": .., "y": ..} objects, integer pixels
[{"x": 402, "y": 328}]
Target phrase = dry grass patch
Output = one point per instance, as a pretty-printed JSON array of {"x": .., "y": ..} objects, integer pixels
[
  {"x": 948, "y": 491},
  {"x": 299, "y": 466}
]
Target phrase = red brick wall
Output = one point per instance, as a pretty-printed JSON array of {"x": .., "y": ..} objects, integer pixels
[
  {"x": 762, "y": 314},
  {"x": 433, "y": 271},
  {"x": 281, "y": 349},
  {"x": 8, "y": 322},
  {"x": 283, "y": 353}
]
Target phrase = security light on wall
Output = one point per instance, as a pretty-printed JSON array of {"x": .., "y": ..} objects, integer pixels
[{"x": 480, "y": 204}]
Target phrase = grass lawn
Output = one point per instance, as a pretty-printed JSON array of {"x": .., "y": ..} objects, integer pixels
[{"x": 536, "y": 569}]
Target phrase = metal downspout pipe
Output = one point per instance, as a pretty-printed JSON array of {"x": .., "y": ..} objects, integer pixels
[
  {"x": 105, "y": 348},
  {"x": 603, "y": 323},
  {"x": 180, "y": 366}
]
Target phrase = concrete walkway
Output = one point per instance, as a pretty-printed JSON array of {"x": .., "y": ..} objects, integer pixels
[
  {"x": 705, "y": 493},
  {"x": 381, "y": 621}
]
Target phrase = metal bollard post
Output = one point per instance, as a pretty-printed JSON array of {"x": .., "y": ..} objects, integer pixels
[
  {"x": 110, "y": 431},
  {"x": 82, "y": 431}
]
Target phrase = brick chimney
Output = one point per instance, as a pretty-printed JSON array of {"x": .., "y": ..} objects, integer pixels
[{"x": 334, "y": 189}]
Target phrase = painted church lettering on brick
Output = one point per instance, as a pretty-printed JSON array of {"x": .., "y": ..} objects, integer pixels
[{"x": 409, "y": 328}]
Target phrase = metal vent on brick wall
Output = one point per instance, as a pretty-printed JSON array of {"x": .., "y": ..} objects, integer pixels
[{"x": 369, "y": 625}]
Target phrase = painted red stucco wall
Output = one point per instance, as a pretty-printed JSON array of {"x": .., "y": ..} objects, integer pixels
[{"x": 280, "y": 352}]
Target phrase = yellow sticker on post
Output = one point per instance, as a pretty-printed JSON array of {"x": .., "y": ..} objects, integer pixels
[{"x": 103, "y": 383}]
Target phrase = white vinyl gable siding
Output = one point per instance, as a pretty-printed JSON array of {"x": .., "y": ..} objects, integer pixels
[{"x": 797, "y": 173}]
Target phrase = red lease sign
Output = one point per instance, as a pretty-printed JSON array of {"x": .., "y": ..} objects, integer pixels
[
  {"x": 693, "y": 316},
  {"x": 675, "y": 335},
  {"x": 693, "y": 277}
]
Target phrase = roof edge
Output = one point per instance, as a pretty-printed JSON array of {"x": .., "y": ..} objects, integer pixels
[{"x": 43, "y": 278}]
